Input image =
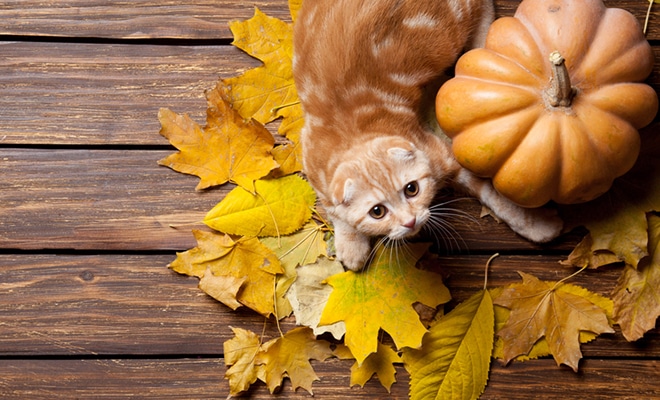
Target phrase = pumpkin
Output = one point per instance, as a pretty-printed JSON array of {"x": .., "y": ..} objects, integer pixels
[{"x": 550, "y": 108}]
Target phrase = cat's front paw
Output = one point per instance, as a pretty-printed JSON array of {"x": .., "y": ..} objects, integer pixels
[
  {"x": 352, "y": 252},
  {"x": 539, "y": 225}
]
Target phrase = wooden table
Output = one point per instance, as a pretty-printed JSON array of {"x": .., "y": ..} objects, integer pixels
[{"x": 88, "y": 307}]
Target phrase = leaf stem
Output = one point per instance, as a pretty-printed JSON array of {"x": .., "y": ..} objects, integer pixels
[
  {"x": 560, "y": 93},
  {"x": 648, "y": 14},
  {"x": 494, "y": 256}
]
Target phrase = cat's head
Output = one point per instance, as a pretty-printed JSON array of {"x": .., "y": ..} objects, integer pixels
[{"x": 386, "y": 189}]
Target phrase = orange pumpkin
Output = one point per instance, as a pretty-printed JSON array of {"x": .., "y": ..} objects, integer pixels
[{"x": 550, "y": 108}]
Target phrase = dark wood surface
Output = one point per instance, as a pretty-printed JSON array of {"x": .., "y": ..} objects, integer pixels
[{"x": 88, "y": 308}]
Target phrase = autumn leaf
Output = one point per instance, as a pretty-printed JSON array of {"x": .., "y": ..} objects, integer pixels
[
  {"x": 279, "y": 207},
  {"x": 383, "y": 297},
  {"x": 454, "y": 359},
  {"x": 266, "y": 93},
  {"x": 289, "y": 355},
  {"x": 301, "y": 248},
  {"x": 240, "y": 355},
  {"x": 637, "y": 294},
  {"x": 555, "y": 310},
  {"x": 381, "y": 364},
  {"x": 309, "y": 294},
  {"x": 228, "y": 148},
  {"x": 540, "y": 348},
  {"x": 222, "y": 288},
  {"x": 229, "y": 260},
  {"x": 616, "y": 221}
]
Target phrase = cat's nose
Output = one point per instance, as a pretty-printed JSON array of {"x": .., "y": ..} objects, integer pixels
[{"x": 411, "y": 224}]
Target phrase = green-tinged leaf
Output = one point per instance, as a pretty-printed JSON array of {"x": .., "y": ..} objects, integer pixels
[
  {"x": 637, "y": 294},
  {"x": 279, "y": 207},
  {"x": 381, "y": 363},
  {"x": 454, "y": 359},
  {"x": 383, "y": 297},
  {"x": 309, "y": 294}
]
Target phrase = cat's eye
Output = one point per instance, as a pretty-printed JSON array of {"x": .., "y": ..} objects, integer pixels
[
  {"x": 378, "y": 211},
  {"x": 411, "y": 189}
]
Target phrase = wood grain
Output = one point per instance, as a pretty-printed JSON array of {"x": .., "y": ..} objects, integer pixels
[
  {"x": 105, "y": 94},
  {"x": 123, "y": 200},
  {"x": 201, "y": 379},
  {"x": 133, "y": 304},
  {"x": 199, "y": 19},
  {"x": 88, "y": 307}
]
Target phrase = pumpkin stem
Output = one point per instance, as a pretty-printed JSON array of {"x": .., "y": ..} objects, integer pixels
[{"x": 560, "y": 93}]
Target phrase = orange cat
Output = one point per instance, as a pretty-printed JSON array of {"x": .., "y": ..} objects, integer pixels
[{"x": 362, "y": 68}]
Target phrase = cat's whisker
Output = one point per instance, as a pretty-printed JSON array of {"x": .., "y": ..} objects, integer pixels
[{"x": 438, "y": 225}]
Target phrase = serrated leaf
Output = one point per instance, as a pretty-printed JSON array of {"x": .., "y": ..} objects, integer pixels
[
  {"x": 289, "y": 355},
  {"x": 279, "y": 207},
  {"x": 260, "y": 92},
  {"x": 228, "y": 148},
  {"x": 381, "y": 363},
  {"x": 637, "y": 294},
  {"x": 540, "y": 348},
  {"x": 245, "y": 259},
  {"x": 454, "y": 359},
  {"x": 240, "y": 355},
  {"x": 554, "y": 310},
  {"x": 383, "y": 297},
  {"x": 309, "y": 294}
]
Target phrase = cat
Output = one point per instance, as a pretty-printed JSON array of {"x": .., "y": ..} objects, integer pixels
[{"x": 362, "y": 68}]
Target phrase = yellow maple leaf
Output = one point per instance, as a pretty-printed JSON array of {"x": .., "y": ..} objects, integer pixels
[
  {"x": 245, "y": 258},
  {"x": 261, "y": 92},
  {"x": 555, "y": 310},
  {"x": 289, "y": 355},
  {"x": 381, "y": 363},
  {"x": 454, "y": 359},
  {"x": 383, "y": 297},
  {"x": 637, "y": 294},
  {"x": 228, "y": 148},
  {"x": 278, "y": 207},
  {"x": 240, "y": 355}
]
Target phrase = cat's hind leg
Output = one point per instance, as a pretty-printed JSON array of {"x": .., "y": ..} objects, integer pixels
[{"x": 538, "y": 225}]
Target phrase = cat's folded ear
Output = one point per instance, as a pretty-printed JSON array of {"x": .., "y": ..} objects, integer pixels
[
  {"x": 401, "y": 154},
  {"x": 342, "y": 192}
]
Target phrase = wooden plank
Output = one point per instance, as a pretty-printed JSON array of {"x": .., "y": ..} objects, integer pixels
[
  {"x": 133, "y": 304},
  {"x": 201, "y": 19},
  {"x": 203, "y": 379},
  {"x": 123, "y": 200},
  {"x": 100, "y": 94},
  {"x": 96, "y": 94}
]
